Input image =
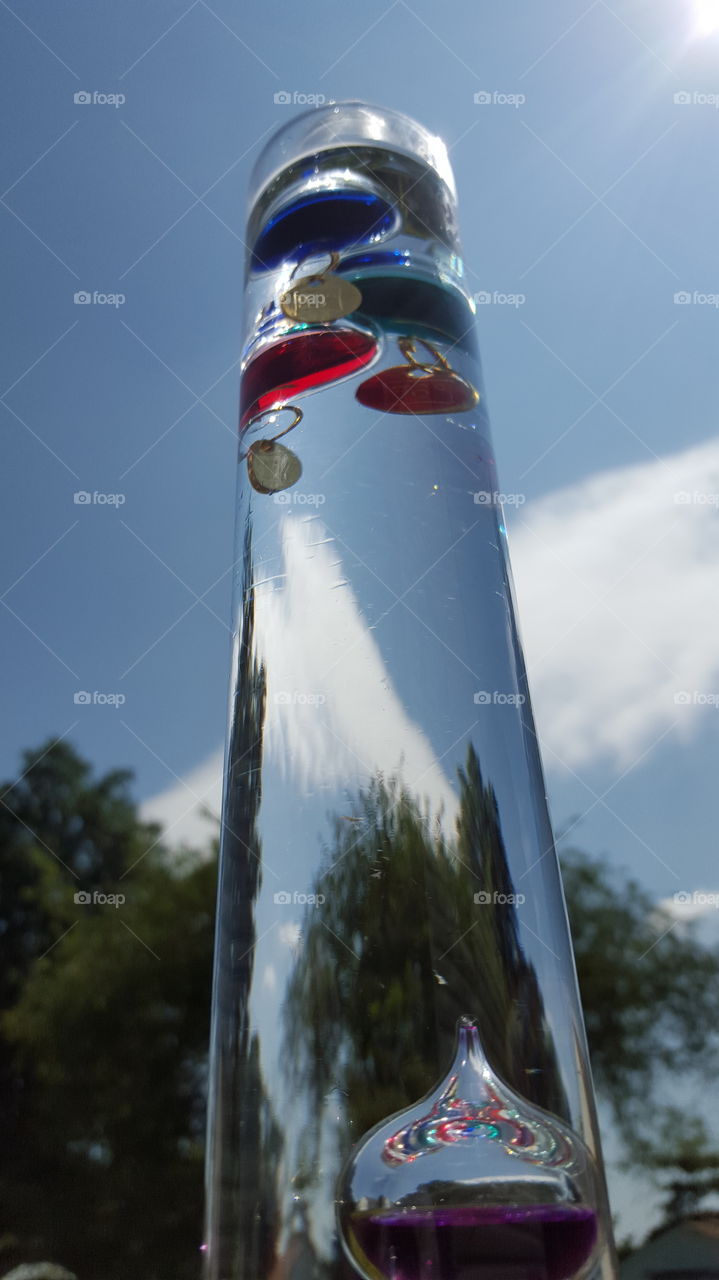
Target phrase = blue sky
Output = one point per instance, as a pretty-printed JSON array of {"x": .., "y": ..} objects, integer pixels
[{"x": 595, "y": 199}]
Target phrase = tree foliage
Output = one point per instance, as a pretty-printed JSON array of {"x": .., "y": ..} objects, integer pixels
[
  {"x": 650, "y": 989},
  {"x": 103, "y": 1031},
  {"x": 104, "y": 1010}
]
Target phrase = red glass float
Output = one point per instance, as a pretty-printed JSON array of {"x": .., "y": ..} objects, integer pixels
[
  {"x": 418, "y": 387},
  {"x": 302, "y": 362}
]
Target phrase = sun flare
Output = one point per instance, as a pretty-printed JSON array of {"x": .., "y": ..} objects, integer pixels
[{"x": 706, "y": 17}]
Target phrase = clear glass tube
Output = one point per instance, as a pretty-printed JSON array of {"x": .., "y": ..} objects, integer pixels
[{"x": 399, "y": 1084}]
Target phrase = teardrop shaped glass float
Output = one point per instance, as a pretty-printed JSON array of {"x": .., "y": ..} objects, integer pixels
[
  {"x": 321, "y": 221},
  {"x": 302, "y": 361},
  {"x": 473, "y": 1181}
]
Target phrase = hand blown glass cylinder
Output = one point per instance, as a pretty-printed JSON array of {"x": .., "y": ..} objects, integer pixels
[{"x": 399, "y": 1086}]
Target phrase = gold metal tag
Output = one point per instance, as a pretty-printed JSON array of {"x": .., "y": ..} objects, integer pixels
[
  {"x": 272, "y": 467},
  {"x": 321, "y": 297}
]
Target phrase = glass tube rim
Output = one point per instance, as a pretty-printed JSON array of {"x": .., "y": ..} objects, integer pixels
[{"x": 347, "y": 123}]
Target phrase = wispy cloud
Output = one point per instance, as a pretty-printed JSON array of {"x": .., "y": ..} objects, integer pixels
[
  {"x": 617, "y": 582},
  {"x": 189, "y": 812}
]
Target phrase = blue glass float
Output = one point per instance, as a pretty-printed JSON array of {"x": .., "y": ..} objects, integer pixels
[{"x": 322, "y": 221}]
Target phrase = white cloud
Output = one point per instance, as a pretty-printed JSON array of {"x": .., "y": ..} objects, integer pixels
[
  {"x": 269, "y": 977},
  {"x": 687, "y": 914},
  {"x": 617, "y": 584},
  {"x": 289, "y": 934},
  {"x": 182, "y": 810}
]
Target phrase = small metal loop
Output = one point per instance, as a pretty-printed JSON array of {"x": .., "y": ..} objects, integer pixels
[
  {"x": 266, "y": 413},
  {"x": 316, "y": 275},
  {"x": 408, "y": 345}
]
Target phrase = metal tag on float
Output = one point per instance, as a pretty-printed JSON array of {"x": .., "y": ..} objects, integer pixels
[
  {"x": 321, "y": 297},
  {"x": 418, "y": 387},
  {"x": 319, "y": 301},
  {"x": 272, "y": 467}
]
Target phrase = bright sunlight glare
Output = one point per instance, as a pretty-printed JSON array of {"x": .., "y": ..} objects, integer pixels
[{"x": 706, "y": 16}]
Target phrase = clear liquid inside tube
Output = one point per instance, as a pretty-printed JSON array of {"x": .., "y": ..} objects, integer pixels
[{"x": 399, "y": 1085}]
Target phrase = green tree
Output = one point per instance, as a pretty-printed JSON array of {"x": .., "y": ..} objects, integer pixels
[
  {"x": 685, "y": 1164},
  {"x": 104, "y": 1028},
  {"x": 104, "y": 1011},
  {"x": 650, "y": 989}
]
